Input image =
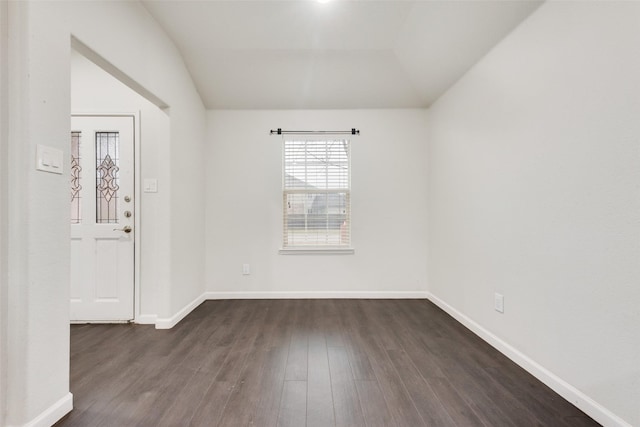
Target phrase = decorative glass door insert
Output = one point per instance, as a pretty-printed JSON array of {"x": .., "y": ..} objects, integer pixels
[
  {"x": 76, "y": 176},
  {"x": 107, "y": 180}
]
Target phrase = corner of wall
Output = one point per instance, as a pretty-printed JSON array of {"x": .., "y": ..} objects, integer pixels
[
  {"x": 170, "y": 322},
  {"x": 4, "y": 136},
  {"x": 557, "y": 384},
  {"x": 52, "y": 414},
  {"x": 528, "y": 160}
]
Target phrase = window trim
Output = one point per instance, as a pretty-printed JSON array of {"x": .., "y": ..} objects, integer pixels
[{"x": 317, "y": 251}]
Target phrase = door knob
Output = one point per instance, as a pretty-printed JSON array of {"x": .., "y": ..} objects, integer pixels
[{"x": 126, "y": 229}]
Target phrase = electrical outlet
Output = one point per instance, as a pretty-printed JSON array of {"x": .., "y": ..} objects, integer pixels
[
  {"x": 498, "y": 302},
  {"x": 246, "y": 269}
]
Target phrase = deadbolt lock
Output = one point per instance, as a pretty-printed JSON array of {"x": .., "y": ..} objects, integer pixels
[
  {"x": 127, "y": 199},
  {"x": 127, "y": 214}
]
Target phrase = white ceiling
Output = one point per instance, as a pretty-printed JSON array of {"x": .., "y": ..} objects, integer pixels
[{"x": 301, "y": 54}]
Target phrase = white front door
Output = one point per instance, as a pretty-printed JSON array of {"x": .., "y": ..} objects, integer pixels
[{"x": 102, "y": 218}]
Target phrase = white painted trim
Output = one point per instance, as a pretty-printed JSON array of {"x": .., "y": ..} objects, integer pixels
[
  {"x": 557, "y": 384},
  {"x": 52, "y": 414},
  {"x": 318, "y": 295},
  {"x": 137, "y": 212},
  {"x": 317, "y": 251},
  {"x": 4, "y": 203},
  {"x": 146, "y": 319},
  {"x": 170, "y": 322},
  {"x": 99, "y": 322}
]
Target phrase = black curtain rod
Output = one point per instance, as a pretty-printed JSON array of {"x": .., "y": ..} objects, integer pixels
[{"x": 279, "y": 131}]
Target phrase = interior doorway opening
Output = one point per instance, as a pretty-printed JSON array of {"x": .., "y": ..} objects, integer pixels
[{"x": 100, "y": 90}]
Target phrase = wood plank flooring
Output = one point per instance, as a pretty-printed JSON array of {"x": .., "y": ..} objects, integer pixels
[{"x": 311, "y": 363}]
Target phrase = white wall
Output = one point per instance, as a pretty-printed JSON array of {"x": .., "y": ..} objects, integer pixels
[
  {"x": 126, "y": 36},
  {"x": 38, "y": 238},
  {"x": 93, "y": 90},
  {"x": 244, "y": 205},
  {"x": 534, "y": 170},
  {"x": 4, "y": 143}
]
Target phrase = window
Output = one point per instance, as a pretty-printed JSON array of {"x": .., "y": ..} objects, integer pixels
[{"x": 316, "y": 195}]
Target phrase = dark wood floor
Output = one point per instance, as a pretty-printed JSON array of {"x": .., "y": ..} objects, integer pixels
[{"x": 304, "y": 362}]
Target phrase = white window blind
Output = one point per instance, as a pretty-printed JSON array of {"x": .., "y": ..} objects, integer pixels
[{"x": 316, "y": 194}]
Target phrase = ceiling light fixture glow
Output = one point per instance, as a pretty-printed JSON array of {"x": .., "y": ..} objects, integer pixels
[{"x": 323, "y": 1}]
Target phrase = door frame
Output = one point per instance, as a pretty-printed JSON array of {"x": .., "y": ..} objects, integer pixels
[{"x": 137, "y": 186}]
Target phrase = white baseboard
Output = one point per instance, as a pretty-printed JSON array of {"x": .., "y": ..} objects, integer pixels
[
  {"x": 557, "y": 384},
  {"x": 97, "y": 322},
  {"x": 146, "y": 319},
  {"x": 170, "y": 322},
  {"x": 52, "y": 414},
  {"x": 318, "y": 295}
]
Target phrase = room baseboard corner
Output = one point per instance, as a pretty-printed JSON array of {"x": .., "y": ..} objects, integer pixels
[
  {"x": 557, "y": 384},
  {"x": 170, "y": 322},
  {"x": 52, "y": 414}
]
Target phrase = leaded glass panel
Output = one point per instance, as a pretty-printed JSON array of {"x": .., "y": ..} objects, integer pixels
[
  {"x": 76, "y": 171},
  {"x": 107, "y": 180}
]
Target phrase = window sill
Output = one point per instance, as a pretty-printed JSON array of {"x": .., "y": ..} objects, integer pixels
[{"x": 317, "y": 251}]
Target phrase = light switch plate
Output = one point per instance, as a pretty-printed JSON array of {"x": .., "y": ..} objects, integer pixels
[
  {"x": 498, "y": 302},
  {"x": 49, "y": 159},
  {"x": 150, "y": 185}
]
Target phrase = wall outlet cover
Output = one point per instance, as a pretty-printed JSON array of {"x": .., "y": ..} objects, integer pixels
[{"x": 498, "y": 302}]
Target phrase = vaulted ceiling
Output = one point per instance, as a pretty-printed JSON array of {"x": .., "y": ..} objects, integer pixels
[{"x": 303, "y": 54}]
